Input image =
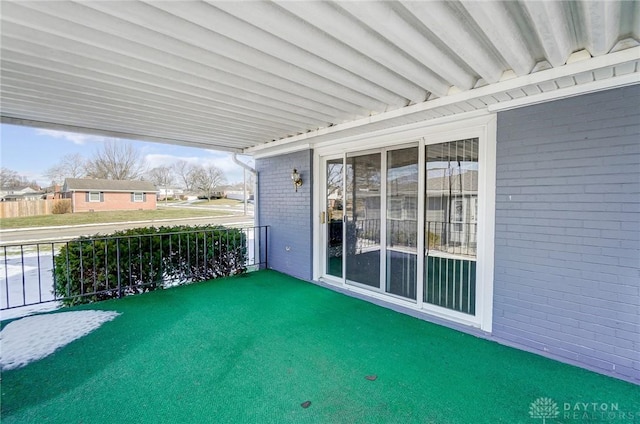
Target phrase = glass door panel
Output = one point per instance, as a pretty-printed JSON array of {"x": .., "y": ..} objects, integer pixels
[
  {"x": 450, "y": 224},
  {"x": 402, "y": 222},
  {"x": 362, "y": 211},
  {"x": 334, "y": 216}
]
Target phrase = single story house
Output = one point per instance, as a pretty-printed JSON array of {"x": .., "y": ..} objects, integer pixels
[
  {"x": 93, "y": 195},
  {"x": 170, "y": 193},
  {"x": 474, "y": 164},
  {"x": 53, "y": 192},
  {"x": 20, "y": 193}
]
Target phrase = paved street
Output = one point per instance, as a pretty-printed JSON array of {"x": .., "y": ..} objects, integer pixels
[{"x": 18, "y": 236}]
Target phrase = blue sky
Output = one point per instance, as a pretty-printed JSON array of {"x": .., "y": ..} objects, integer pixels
[{"x": 31, "y": 151}]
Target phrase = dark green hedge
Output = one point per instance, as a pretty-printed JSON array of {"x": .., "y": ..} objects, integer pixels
[{"x": 94, "y": 268}]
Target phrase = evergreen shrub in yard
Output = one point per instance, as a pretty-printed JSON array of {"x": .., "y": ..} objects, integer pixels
[{"x": 94, "y": 268}]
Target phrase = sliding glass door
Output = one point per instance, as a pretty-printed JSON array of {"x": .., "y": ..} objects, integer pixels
[
  {"x": 333, "y": 216},
  {"x": 451, "y": 208},
  {"x": 402, "y": 222},
  {"x": 384, "y": 207},
  {"x": 362, "y": 219}
]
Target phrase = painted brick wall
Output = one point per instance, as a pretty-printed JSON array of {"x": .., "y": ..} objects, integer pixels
[
  {"x": 286, "y": 212},
  {"x": 112, "y": 202},
  {"x": 567, "y": 255}
]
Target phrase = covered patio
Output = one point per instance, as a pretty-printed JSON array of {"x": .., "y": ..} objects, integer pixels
[
  {"x": 474, "y": 164},
  {"x": 254, "y": 348}
]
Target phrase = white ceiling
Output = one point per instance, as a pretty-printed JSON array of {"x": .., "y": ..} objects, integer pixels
[{"x": 234, "y": 75}]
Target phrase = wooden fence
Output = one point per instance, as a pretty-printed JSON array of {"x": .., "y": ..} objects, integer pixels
[{"x": 34, "y": 207}]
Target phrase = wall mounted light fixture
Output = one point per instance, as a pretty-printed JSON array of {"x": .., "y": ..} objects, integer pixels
[{"x": 297, "y": 179}]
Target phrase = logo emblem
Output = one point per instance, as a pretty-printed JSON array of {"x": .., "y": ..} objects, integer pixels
[{"x": 543, "y": 408}]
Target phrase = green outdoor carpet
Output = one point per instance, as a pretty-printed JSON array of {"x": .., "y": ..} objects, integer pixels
[{"x": 253, "y": 349}]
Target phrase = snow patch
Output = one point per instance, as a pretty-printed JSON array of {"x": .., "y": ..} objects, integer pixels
[{"x": 32, "y": 338}]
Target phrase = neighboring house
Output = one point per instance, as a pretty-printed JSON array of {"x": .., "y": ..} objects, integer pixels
[
  {"x": 88, "y": 194},
  {"x": 20, "y": 193},
  {"x": 24, "y": 196},
  {"x": 237, "y": 194},
  {"x": 170, "y": 193},
  {"x": 54, "y": 192}
]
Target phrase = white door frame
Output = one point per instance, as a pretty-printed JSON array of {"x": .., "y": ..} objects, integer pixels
[
  {"x": 321, "y": 228},
  {"x": 484, "y": 128}
]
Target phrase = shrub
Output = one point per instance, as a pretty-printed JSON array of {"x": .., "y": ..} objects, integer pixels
[
  {"x": 434, "y": 240},
  {"x": 89, "y": 269},
  {"x": 61, "y": 206}
]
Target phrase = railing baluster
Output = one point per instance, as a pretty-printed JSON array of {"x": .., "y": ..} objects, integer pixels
[
  {"x": 53, "y": 270},
  {"x": 181, "y": 270},
  {"x": 24, "y": 292},
  {"x": 205, "y": 262},
  {"x": 94, "y": 270},
  {"x": 140, "y": 257},
  {"x": 161, "y": 264},
  {"x": 39, "y": 274},
  {"x": 118, "y": 267},
  {"x": 68, "y": 291},
  {"x": 171, "y": 253},
  {"x": 129, "y": 262},
  {"x": 151, "y": 276},
  {"x": 81, "y": 267},
  {"x": 197, "y": 248},
  {"x": 189, "y": 257},
  {"x": 6, "y": 275},
  {"x": 213, "y": 253}
]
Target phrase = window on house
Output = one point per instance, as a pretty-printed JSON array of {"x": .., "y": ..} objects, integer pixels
[
  {"x": 138, "y": 197},
  {"x": 395, "y": 208},
  {"x": 410, "y": 208},
  {"x": 458, "y": 215},
  {"x": 94, "y": 196}
]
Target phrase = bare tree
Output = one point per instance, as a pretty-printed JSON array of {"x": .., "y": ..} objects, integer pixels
[
  {"x": 11, "y": 179},
  {"x": 208, "y": 180},
  {"x": 161, "y": 176},
  {"x": 116, "y": 161},
  {"x": 70, "y": 166},
  {"x": 184, "y": 172},
  {"x": 8, "y": 178}
]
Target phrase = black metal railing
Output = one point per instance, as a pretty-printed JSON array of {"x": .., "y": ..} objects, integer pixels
[
  {"x": 454, "y": 238},
  {"x": 450, "y": 265},
  {"x": 101, "y": 267}
]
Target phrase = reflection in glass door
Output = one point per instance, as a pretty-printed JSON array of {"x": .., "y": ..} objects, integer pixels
[
  {"x": 362, "y": 212},
  {"x": 334, "y": 216},
  {"x": 402, "y": 222},
  {"x": 450, "y": 225}
]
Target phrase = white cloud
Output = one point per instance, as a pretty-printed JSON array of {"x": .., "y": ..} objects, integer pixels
[{"x": 75, "y": 138}]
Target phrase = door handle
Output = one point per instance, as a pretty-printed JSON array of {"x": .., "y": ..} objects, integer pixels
[{"x": 322, "y": 217}]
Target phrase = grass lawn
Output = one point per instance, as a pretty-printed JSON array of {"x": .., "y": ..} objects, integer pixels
[
  {"x": 103, "y": 217},
  {"x": 252, "y": 349}
]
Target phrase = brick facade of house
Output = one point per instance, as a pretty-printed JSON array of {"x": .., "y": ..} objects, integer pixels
[
  {"x": 96, "y": 195},
  {"x": 111, "y": 201},
  {"x": 287, "y": 212},
  {"x": 567, "y": 230}
]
